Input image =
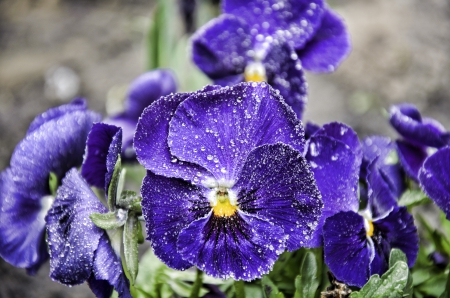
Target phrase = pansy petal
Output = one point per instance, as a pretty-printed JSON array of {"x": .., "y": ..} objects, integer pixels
[
  {"x": 346, "y": 248},
  {"x": 329, "y": 46},
  {"x": 168, "y": 206},
  {"x": 434, "y": 179},
  {"x": 146, "y": 89},
  {"x": 108, "y": 267},
  {"x": 56, "y": 146},
  {"x": 220, "y": 47},
  {"x": 72, "y": 236},
  {"x": 296, "y": 21},
  {"x": 151, "y": 144},
  {"x": 405, "y": 118},
  {"x": 22, "y": 225},
  {"x": 217, "y": 130},
  {"x": 285, "y": 74},
  {"x": 411, "y": 158},
  {"x": 230, "y": 80},
  {"x": 336, "y": 168},
  {"x": 310, "y": 129},
  {"x": 100, "y": 288},
  {"x": 276, "y": 184},
  {"x": 241, "y": 246},
  {"x": 102, "y": 139},
  {"x": 399, "y": 231},
  {"x": 128, "y": 127},
  {"x": 344, "y": 133},
  {"x": 78, "y": 104}
]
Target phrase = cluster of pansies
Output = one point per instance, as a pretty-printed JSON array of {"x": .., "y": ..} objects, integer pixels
[{"x": 233, "y": 177}]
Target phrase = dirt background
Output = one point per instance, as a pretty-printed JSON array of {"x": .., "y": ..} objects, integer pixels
[{"x": 400, "y": 53}]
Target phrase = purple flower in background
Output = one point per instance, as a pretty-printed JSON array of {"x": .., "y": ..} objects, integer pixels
[
  {"x": 54, "y": 143},
  {"x": 143, "y": 91},
  {"x": 271, "y": 41},
  {"x": 357, "y": 244},
  {"x": 235, "y": 191},
  {"x": 79, "y": 250},
  {"x": 419, "y": 134}
]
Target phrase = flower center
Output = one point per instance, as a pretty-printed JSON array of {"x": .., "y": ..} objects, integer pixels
[
  {"x": 369, "y": 229},
  {"x": 223, "y": 205},
  {"x": 255, "y": 72}
]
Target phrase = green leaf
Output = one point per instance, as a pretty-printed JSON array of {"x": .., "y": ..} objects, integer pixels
[
  {"x": 141, "y": 238},
  {"x": 239, "y": 288},
  {"x": 53, "y": 183},
  {"x": 390, "y": 285},
  {"x": 114, "y": 184},
  {"x": 197, "y": 284},
  {"x": 434, "y": 286},
  {"x": 413, "y": 197},
  {"x": 130, "y": 242},
  {"x": 270, "y": 290},
  {"x": 107, "y": 221},
  {"x": 446, "y": 293},
  {"x": 307, "y": 282},
  {"x": 396, "y": 256}
]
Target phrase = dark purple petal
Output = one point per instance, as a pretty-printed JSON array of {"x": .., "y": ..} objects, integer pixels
[
  {"x": 22, "y": 225},
  {"x": 230, "y": 80},
  {"x": 399, "y": 231},
  {"x": 220, "y": 47},
  {"x": 285, "y": 74},
  {"x": 336, "y": 171},
  {"x": 100, "y": 288},
  {"x": 405, "y": 118},
  {"x": 218, "y": 129},
  {"x": 103, "y": 146},
  {"x": 344, "y": 133},
  {"x": 346, "y": 248},
  {"x": 78, "y": 104},
  {"x": 128, "y": 127},
  {"x": 72, "y": 236},
  {"x": 168, "y": 206},
  {"x": 296, "y": 21},
  {"x": 146, "y": 89},
  {"x": 151, "y": 144},
  {"x": 434, "y": 178},
  {"x": 310, "y": 129},
  {"x": 276, "y": 184},
  {"x": 241, "y": 246},
  {"x": 329, "y": 46},
  {"x": 411, "y": 158},
  {"x": 381, "y": 199},
  {"x": 108, "y": 267}
]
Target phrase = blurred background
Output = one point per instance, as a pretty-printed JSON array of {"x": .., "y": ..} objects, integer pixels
[{"x": 54, "y": 50}]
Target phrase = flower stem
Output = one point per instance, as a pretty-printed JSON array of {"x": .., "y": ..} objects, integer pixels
[
  {"x": 239, "y": 288},
  {"x": 197, "y": 284}
]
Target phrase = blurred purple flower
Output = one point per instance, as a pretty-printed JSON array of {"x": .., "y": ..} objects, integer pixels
[
  {"x": 235, "y": 191},
  {"x": 54, "y": 143}
]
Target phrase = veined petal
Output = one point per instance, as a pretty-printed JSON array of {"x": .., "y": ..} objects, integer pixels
[
  {"x": 169, "y": 205},
  {"x": 241, "y": 246},
  {"x": 343, "y": 133},
  {"x": 329, "y": 46},
  {"x": 276, "y": 184},
  {"x": 434, "y": 179},
  {"x": 336, "y": 171},
  {"x": 72, "y": 237},
  {"x": 346, "y": 248},
  {"x": 217, "y": 130},
  {"x": 296, "y": 21}
]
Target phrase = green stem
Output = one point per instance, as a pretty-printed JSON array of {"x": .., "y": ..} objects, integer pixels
[
  {"x": 197, "y": 284},
  {"x": 239, "y": 288}
]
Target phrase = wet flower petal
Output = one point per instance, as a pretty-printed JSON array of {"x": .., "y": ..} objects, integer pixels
[
  {"x": 335, "y": 167},
  {"x": 329, "y": 46},
  {"x": 217, "y": 130},
  {"x": 411, "y": 158},
  {"x": 241, "y": 246},
  {"x": 343, "y": 133},
  {"x": 275, "y": 184},
  {"x": 434, "y": 179}
]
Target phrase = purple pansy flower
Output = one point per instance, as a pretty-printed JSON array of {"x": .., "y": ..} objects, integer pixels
[
  {"x": 419, "y": 134},
  {"x": 143, "y": 91},
  {"x": 357, "y": 244},
  {"x": 235, "y": 191},
  {"x": 54, "y": 143},
  {"x": 270, "y": 41}
]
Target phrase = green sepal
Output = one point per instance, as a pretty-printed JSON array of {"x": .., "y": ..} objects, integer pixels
[
  {"x": 131, "y": 201},
  {"x": 113, "y": 185},
  {"x": 270, "y": 290},
  {"x": 130, "y": 245},
  {"x": 390, "y": 285},
  {"x": 307, "y": 283},
  {"x": 107, "y": 221},
  {"x": 396, "y": 256},
  {"x": 53, "y": 183},
  {"x": 141, "y": 238}
]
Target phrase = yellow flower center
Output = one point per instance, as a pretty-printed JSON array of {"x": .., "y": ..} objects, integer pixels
[
  {"x": 369, "y": 231},
  {"x": 223, "y": 206},
  {"x": 255, "y": 72}
]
